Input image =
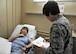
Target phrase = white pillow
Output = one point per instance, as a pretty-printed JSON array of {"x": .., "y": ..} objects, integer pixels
[
  {"x": 16, "y": 30},
  {"x": 31, "y": 32},
  {"x": 5, "y": 46}
]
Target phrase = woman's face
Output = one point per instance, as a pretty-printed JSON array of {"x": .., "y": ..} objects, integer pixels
[
  {"x": 24, "y": 31},
  {"x": 50, "y": 18}
]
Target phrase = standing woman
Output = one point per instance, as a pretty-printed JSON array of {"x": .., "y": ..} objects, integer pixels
[{"x": 60, "y": 33}]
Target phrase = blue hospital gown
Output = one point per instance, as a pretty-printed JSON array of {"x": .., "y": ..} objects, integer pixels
[
  {"x": 19, "y": 43},
  {"x": 60, "y": 37}
]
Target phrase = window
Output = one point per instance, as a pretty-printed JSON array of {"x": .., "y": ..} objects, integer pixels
[{"x": 54, "y": 0}]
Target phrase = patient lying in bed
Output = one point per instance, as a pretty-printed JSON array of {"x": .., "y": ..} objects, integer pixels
[{"x": 20, "y": 42}]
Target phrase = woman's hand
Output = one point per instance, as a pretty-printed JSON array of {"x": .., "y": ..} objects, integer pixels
[
  {"x": 41, "y": 46},
  {"x": 11, "y": 38},
  {"x": 23, "y": 49},
  {"x": 47, "y": 39},
  {"x": 20, "y": 35}
]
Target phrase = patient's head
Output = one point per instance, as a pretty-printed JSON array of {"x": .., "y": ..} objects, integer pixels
[{"x": 24, "y": 30}]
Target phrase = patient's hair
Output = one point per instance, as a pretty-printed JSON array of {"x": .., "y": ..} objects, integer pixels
[{"x": 24, "y": 28}]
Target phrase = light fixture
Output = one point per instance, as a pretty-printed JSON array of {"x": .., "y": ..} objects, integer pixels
[{"x": 40, "y": 0}]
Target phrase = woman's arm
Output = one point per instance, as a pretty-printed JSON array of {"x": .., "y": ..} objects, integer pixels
[
  {"x": 58, "y": 32},
  {"x": 11, "y": 38},
  {"x": 28, "y": 46}
]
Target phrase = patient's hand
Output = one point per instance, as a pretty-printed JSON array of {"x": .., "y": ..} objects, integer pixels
[
  {"x": 19, "y": 35},
  {"x": 23, "y": 49}
]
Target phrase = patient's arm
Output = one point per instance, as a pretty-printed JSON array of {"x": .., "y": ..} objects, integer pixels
[
  {"x": 28, "y": 46},
  {"x": 11, "y": 38}
]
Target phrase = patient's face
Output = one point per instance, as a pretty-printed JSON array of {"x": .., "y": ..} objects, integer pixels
[{"x": 24, "y": 31}]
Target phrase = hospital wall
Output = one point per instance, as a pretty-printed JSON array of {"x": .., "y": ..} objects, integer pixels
[
  {"x": 32, "y": 14},
  {"x": 10, "y": 16},
  {"x": 14, "y": 12}
]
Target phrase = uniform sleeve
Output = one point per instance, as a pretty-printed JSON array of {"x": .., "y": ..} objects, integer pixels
[{"x": 57, "y": 39}]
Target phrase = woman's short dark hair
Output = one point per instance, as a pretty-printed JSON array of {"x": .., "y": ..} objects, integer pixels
[
  {"x": 51, "y": 7},
  {"x": 24, "y": 28}
]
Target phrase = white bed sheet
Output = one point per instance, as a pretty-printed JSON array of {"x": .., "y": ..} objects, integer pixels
[{"x": 5, "y": 46}]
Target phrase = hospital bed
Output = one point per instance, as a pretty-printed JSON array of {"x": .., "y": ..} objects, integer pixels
[{"x": 5, "y": 45}]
